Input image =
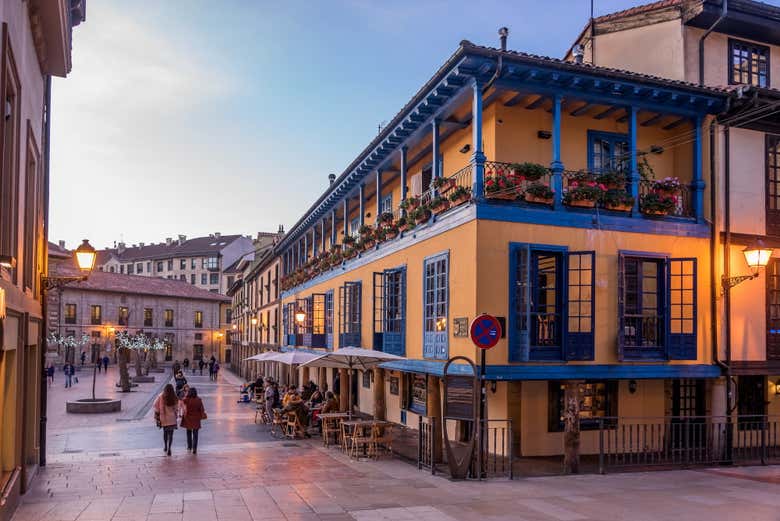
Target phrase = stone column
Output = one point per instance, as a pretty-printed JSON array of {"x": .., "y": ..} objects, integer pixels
[
  {"x": 380, "y": 412},
  {"x": 571, "y": 434},
  {"x": 434, "y": 411}
]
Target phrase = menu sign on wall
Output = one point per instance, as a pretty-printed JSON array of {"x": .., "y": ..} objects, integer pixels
[{"x": 418, "y": 401}]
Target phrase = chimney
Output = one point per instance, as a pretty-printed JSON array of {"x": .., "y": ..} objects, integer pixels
[
  {"x": 182, "y": 238},
  {"x": 62, "y": 244},
  {"x": 141, "y": 244},
  {"x": 579, "y": 53},
  {"x": 331, "y": 178},
  {"x": 217, "y": 235},
  {"x": 280, "y": 231},
  {"x": 120, "y": 247},
  {"x": 168, "y": 241},
  {"x": 502, "y": 34}
]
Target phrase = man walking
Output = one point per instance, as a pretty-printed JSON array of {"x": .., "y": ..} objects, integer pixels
[
  {"x": 69, "y": 371},
  {"x": 201, "y": 363},
  {"x": 105, "y": 363}
]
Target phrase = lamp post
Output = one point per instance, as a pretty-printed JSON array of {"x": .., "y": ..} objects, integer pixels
[
  {"x": 85, "y": 256},
  {"x": 757, "y": 256}
]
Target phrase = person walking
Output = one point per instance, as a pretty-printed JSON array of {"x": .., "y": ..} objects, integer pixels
[
  {"x": 50, "y": 374},
  {"x": 83, "y": 357},
  {"x": 165, "y": 412},
  {"x": 269, "y": 398},
  {"x": 185, "y": 365},
  {"x": 98, "y": 365},
  {"x": 105, "y": 363},
  {"x": 212, "y": 360},
  {"x": 201, "y": 364},
  {"x": 193, "y": 413},
  {"x": 176, "y": 367},
  {"x": 69, "y": 371},
  {"x": 216, "y": 370}
]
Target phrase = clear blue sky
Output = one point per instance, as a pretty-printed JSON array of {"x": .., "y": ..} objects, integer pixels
[{"x": 200, "y": 116}]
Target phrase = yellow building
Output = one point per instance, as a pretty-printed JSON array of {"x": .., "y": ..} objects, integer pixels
[{"x": 534, "y": 190}]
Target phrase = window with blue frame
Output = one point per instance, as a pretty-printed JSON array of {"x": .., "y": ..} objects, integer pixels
[
  {"x": 551, "y": 303},
  {"x": 390, "y": 311},
  {"x": 435, "y": 307},
  {"x": 354, "y": 227},
  {"x": 608, "y": 151},
  {"x": 749, "y": 63},
  {"x": 329, "y": 319},
  {"x": 349, "y": 314},
  {"x": 387, "y": 204},
  {"x": 656, "y": 307}
]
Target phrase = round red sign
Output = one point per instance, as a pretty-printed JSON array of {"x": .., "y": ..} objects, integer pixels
[{"x": 485, "y": 331}]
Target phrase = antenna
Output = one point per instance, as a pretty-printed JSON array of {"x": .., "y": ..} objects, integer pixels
[{"x": 381, "y": 125}]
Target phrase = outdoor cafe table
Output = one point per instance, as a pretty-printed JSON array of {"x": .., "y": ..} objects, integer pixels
[
  {"x": 334, "y": 417},
  {"x": 351, "y": 428}
]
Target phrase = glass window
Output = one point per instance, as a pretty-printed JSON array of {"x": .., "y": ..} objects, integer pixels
[
  {"x": 183, "y": 264},
  {"x": 124, "y": 313},
  {"x": 751, "y": 401},
  {"x": 70, "y": 313},
  {"x": 598, "y": 400},
  {"x": 643, "y": 314},
  {"x": 390, "y": 311},
  {"x": 354, "y": 227},
  {"x": 192, "y": 278},
  {"x": 129, "y": 269},
  {"x": 159, "y": 266},
  {"x": 435, "y": 302},
  {"x": 772, "y": 184},
  {"x": 170, "y": 264},
  {"x": 192, "y": 264},
  {"x": 148, "y": 320},
  {"x": 199, "y": 319},
  {"x": 387, "y": 204},
  {"x": 139, "y": 267},
  {"x": 749, "y": 64},
  {"x": 96, "y": 315},
  {"x": 607, "y": 152},
  {"x": 168, "y": 317},
  {"x": 204, "y": 278},
  {"x": 349, "y": 314},
  {"x": 773, "y": 310},
  {"x": 182, "y": 277},
  {"x": 214, "y": 278},
  {"x": 211, "y": 263}
]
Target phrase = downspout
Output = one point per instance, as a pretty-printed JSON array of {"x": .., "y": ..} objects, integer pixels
[
  {"x": 43, "y": 292},
  {"x": 723, "y": 14},
  {"x": 502, "y": 34},
  {"x": 727, "y": 265}
]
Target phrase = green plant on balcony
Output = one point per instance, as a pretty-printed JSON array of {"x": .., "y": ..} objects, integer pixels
[
  {"x": 529, "y": 171},
  {"x": 444, "y": 184},
  {"x": 439, "y": 204},
  {"x": 583, "y": 195},
  {"x": 420, "y": 215},
  {"x": 366, "y": 231},
  {"x": 618, "y": 200},
  {"x": 501, "y": 185},
  {"x": 351, "y": 252},
  {"x": 669, "y": 186},
  {"x": 539, "y": 193},
  {"x": 410, "y": 203},
  {"x": 348, "y": 241},
  {"x": 655, "y": 203},
  {"x": 386, "y": 218},
  {"x": 335, "y": 258},
  {"x": 612, "y": 180},
  {"x": 646, "y": 172},
  {"x": 460, "y": 195}
]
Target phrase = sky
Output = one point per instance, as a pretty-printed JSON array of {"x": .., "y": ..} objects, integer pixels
[{"x": 193, "y": 117}]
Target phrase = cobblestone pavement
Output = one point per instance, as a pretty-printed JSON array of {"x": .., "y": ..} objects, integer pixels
[{"x": 118, "y": 472}]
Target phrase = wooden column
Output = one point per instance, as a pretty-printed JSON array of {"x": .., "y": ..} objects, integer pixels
[
  {"x": 305, "y": 375},
  {"x": 322, "y": 379},
  {"x": 380, "y": 411},
  {"x": 571, "y": 434},
  {"x": 343, "y": 390},
  {"x": 434, "y": 411}
]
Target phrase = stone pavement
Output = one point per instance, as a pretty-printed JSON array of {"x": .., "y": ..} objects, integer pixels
[{"x": 241, "y": 474}]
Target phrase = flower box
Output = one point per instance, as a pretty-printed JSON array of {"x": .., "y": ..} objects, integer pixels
[
  {"x": 582, "y": 203},
  {"x": 655, "y": 213},
  {"x": 504, "y": 196},
  {"x": 462, "y": 198},
  {"x": 530, "y": 198},
  {"x": 368, "y": 244},
  {"x": 440, "y": 207},
  {"x": 422, "y": 216},
  {"x": 350, "y": 253},
  {"x": 444, "y": 184},
  {"x": 619, "y": 207},
  {"x": 391, "y": 234}
]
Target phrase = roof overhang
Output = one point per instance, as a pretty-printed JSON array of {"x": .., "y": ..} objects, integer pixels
[{"x": 745, "y": 18}]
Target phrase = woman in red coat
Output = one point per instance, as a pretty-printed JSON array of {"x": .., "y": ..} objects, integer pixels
[{"x": 192, "y": 413}]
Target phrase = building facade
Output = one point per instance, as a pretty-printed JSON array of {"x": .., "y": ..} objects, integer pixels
[
  {"x": 191, "y": 321},
  {"x": 200, "y": 261},
  {"x": 35, "y": 44},
  {"x": 535, "y": 190}
]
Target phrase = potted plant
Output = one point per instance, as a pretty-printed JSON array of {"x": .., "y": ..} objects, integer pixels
[
  {"x": 390, "y": 232},
  {"x": 460, "y": 195},
  {"x": 618, "y": 200},
  {"x": 386, "y": 218},
  {"x": 529, "y": 171},
  {"x": 439, "y": 204},
  {"x": 583, "y": 196},
  {"x": 336, "y": 258},
  {"x": 410, "y": 203},
  {"x": 655, "y": 203},
  {"x": 366, "y": 231},
  {"x": 500, "y": 185},
  {"x": 612, "y": 180},
  {"x": 668, "y": 186},
  {"x": 444, "y": 184},
  {"x": 420, "y": 215},
  {"x": 539, "y": 193},
  {"x": 403, "y": 223}
]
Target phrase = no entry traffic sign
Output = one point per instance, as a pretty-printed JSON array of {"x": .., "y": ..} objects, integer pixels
[{"x": 485, "y": 331}]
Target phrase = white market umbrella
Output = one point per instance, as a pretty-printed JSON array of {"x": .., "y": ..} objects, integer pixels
[
  {"x": 261, "y": 357},
  {"x": 292, "y": 357},
  {"x": 352, "y": 358}
]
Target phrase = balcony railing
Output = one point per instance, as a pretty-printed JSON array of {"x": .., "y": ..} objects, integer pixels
[{"x": 462, "y": 178}]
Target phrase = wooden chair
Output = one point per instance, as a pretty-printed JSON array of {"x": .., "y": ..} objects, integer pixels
[
  {"x": 361, "y": 443},
  {"x": 382, "y": 438},
  {"x": 331, "y": 427},
  {"x": 278, "y": 424},
  {"x": 294, "y": 426}
]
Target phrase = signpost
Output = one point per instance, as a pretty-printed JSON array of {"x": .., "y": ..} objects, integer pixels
[{"x": 485, "y": 332}]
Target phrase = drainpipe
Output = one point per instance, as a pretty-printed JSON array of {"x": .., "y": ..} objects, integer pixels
[
  {"x": 44, "y": 294},
  {"x": 723, "y": 14},
  {"x": 502, "y": 34}
]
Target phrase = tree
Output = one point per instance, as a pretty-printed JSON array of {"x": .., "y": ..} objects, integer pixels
[
  {"x": 143, "y": 346},
  {"x": 68, "y": 342}
]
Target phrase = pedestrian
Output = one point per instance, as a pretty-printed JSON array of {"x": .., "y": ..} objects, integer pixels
[
  {"x": 176, "y": 367},
  {"x": 105, "y": 363},
  {"x": 185, "y": 364},
  {"x": 216, "y": 370},
  {"x": 83, "y": 357},
  {"x": 98, "y": 365},
  {"x": 192, "y": 414},
  {"x": 211, "y": 368},
  {"x": 269, "y": 398},
  {"x": 50, "y": 374},
  {"x": 201, "y": 363},
  {"x": 69, "y": 371},
  {"x": 165, "y": 412},
  {"x": 180, "y": 381}
]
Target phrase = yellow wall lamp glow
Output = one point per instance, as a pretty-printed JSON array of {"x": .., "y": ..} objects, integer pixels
[{"x": 757, "y": 256}]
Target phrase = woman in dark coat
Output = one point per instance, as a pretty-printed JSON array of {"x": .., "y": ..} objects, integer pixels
[{"x": 192, "y": 414}]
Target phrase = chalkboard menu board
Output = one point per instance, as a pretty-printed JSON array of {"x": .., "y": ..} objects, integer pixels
[
  {"x": 418, "y": 394},
  {"x": 394, "y": 385},
  {"x": 460, "y": 397}
]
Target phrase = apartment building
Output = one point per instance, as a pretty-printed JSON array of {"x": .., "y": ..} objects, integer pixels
[
  {"x": 200, "y": 261},
  {"x": 35, "y": 44}
]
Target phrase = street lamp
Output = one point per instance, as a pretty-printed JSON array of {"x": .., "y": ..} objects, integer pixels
[
  {"x": 85, "y": 256},
  {"x": 757, "y": 256},
  {"x": 300, "y": 316},
  {"x": 254, "y": 321}
]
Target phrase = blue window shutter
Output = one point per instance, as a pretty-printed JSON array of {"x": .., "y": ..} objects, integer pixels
[
  {"x": 394, "y": 312},
  {"x": 579, "y": 311},
  {"x": 378, "y": 310},
  {"x": 329, "y": 319},
  {"x": 285, "y": 324},
  {"x": 621, "y": 305},
  {"x": 681, "y": 309},
  {"x": 519, "y": 302},
  {"x": 436, "y": 306}
]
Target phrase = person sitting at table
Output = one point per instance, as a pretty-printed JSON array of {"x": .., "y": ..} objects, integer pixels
[
  {"x": 296, "y": 406},
  {"x": 316, "y": 397},
  {"x": 331, "y": 404},
  {"x": 288, "y": 394}
]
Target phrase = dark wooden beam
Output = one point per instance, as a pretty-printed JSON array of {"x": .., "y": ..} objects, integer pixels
[
  {"x": 674, "y": 124},
  {"x": 536, "y": 103},
  {"x": 514, "y": 100},
  {"x": 610, "y": 110},
  {"x": 652, "y": 121},
  {"x": 582, "y": 109}
]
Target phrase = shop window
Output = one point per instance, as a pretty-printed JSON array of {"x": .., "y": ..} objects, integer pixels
[
  {"x": 551, "y": 303},
  {"x": 748, "y": 64},
  {"x": 656, "y": 308},
  {"x": 435, "y": 307},
  {"x": 416, "y": 393},
  {"x": 598, "y": 403},
  {"x": 390, "y": 311}
]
